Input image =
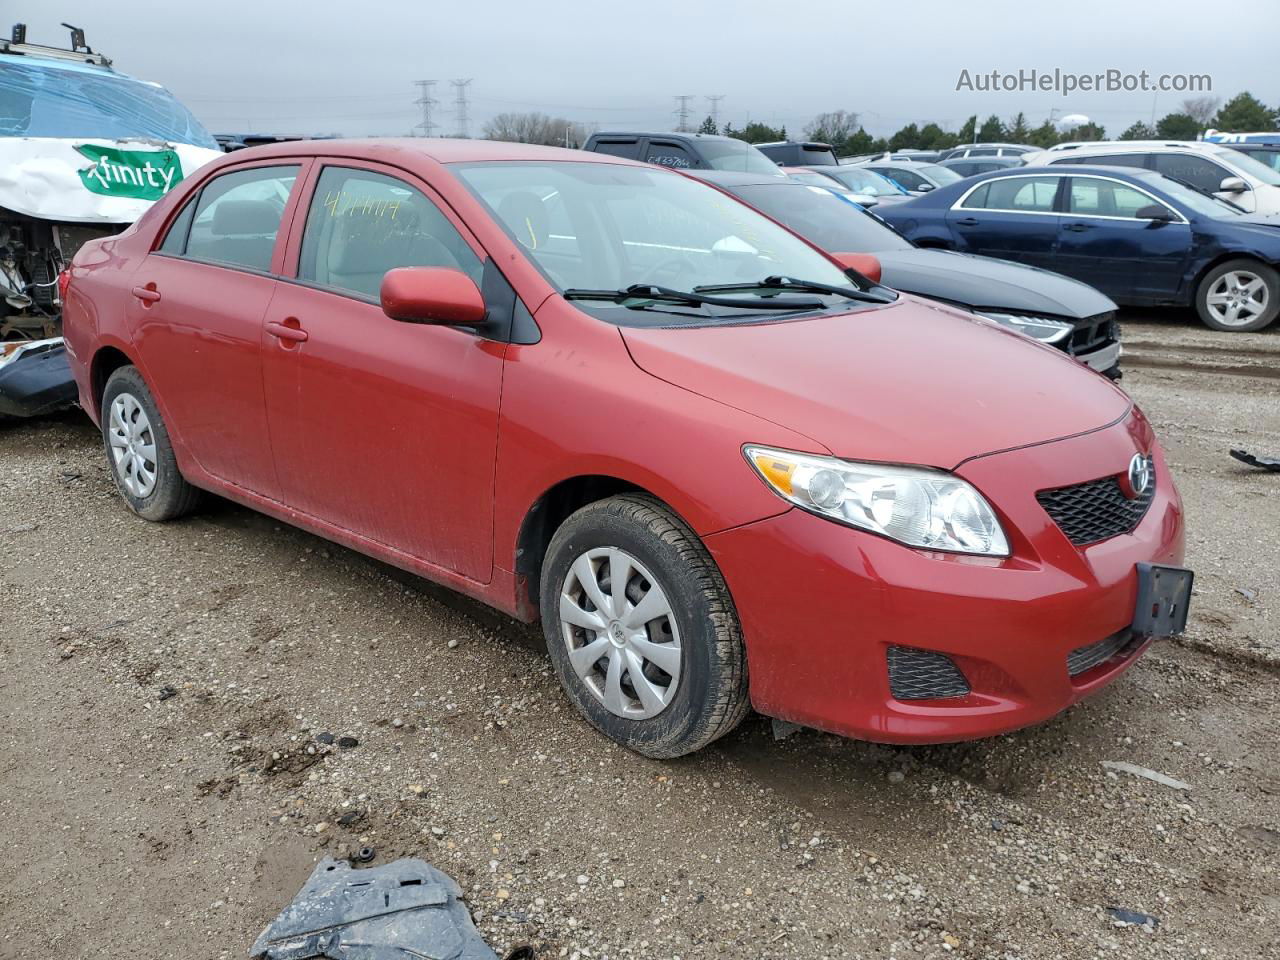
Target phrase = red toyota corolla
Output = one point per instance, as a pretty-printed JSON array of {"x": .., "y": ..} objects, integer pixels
[{"x": 724, "y": 471}]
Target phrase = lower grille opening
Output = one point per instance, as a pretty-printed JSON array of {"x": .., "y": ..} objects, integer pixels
[
  {"x": 1083, "y": 659},
  {"x": 924, "y": 675}
]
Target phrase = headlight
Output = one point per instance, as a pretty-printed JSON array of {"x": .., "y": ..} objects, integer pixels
[
  {"x": 1038, "y": 328},
  {"x": 917, "y": 506}
]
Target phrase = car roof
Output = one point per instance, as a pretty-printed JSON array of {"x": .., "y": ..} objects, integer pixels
[
  {"x": 440, "y": 149},
  {"x": 900, "y": 163},
  {"x": 664, "y": 135},
  {"x": 1070, "y": 170}
]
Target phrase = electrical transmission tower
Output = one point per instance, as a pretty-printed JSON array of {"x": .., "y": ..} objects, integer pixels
[
  {"x": 461, "y": 105},
  {"x": 715, "y": 108},
  {"x": 426, "y": 101},
  {"x": 682, "y": 112}
]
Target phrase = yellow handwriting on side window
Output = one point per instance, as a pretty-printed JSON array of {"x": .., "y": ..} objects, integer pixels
[{"x": 339, "y": 203}]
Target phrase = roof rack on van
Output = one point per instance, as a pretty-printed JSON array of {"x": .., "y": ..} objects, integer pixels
[{"x": 78, "y": 52}]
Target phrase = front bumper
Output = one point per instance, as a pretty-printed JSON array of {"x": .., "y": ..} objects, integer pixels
[
  {"x": 822, "y": 604},
  {"x": 35, "y": 379}
]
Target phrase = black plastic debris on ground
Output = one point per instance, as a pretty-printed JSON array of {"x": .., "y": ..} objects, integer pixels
[
  {"x": 406, "y": 909},
  {"x": 1266, "y": 463}
]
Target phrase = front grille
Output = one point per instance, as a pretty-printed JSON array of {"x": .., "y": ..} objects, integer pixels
[
  {"x": 1096, "y": 510},
  {"x": 924, "y": 675},
  {"x": 1093, "y": 332},
  {"x": 1086, "y": 658}
]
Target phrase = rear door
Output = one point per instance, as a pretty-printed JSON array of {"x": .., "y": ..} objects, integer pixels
[
  {"x": 1105, "y": 244},
  {"x": 196, "y": 316},
  {"x": 669, "y": 153},
  {"x": 384, "y": 429},
  {"x": 1013, "y": 218}
]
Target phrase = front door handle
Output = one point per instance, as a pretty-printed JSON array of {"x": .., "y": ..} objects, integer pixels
[
  {"x": 1076, "y": 227},
  {"x": 967, "y": 222},
  {"x": 286, "y": 331},
  {"x": 147, "y": 294}
]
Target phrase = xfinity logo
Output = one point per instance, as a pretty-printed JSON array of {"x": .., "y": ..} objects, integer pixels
[
  {"x": 1139, "y": 476},
  {"x": 137, "y": 174}
]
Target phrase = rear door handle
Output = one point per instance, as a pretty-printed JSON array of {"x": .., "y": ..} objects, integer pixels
[
  {"x": 283, "y": 331},
  {"x": 967, "y": 222},
  {"x": 147, "y": 294}
]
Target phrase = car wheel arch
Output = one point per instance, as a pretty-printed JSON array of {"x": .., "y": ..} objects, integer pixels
[
  {"x": 544, "y": 517},
  {"x": 106, "y": 361},
  {"x": 1193, "y": 288}
]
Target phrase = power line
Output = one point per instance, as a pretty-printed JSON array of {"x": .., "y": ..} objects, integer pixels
[
  {"x": 426, "y": 101},
  {"x": 682, "y": 112},
  {"x": 460, "y": 108},
  {"x": 715, "y": 109}
]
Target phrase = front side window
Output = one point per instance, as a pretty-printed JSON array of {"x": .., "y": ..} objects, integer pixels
[
  {"x": 362, "y": 224},
  {"x": 1197, "y": 171},
  {"x": 908, "y": 179},
  {"x": 866, "y": 182},
  {"x": 1022, "y": 194},
  {"x": 607, "y": 227},
  {"x": 1091, "y": 197},
  {"x": 668, "y": 155},
  {"x": 235, "y": 219}
]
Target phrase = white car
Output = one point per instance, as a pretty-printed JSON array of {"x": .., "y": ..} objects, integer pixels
[{"x": 1208, "y": 167}]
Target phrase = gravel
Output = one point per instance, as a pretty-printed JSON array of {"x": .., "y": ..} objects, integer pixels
[{"x": 161, "y": 826}]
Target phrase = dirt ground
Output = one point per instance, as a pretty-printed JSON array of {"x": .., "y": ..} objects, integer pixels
[{"x": 163, "y": 793}]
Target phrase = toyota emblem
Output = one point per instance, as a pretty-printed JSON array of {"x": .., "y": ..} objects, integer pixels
[{"x": 1139, "y": 476}]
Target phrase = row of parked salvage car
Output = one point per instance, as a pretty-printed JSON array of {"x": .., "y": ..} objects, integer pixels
[{"x": 726, "y": 466}]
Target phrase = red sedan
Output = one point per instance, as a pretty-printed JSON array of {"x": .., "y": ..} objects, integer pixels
[{"x": 723, "y": 470}]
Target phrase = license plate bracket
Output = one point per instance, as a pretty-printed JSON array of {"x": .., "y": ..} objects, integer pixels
[{"x": 1164, "y": 596}]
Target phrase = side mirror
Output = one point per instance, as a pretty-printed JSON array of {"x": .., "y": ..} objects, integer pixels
[
  {"x": 1232, "y": 185},
  {"x": 432, "y": 295},
  {"x": 925, "y": 187},
  {"x": 1154, "y": 211},
  {"x": 864, "y": 263}
]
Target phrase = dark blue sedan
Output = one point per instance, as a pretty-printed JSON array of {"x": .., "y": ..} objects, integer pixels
[{"x": 1139, "y": 237}]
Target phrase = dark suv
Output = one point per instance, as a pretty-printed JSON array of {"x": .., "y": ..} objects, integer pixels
[{"x": 685, "y": 151}]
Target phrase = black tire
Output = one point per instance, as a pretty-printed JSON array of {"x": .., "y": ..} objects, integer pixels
[
  {"x": 710, "y": 698},
  {"x": 172, "y": 496},
  {"x": 1266, "y": 274}
]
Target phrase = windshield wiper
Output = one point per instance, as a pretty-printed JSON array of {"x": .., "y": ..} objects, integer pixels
[
  {"x": 648, "y": 293},
  {"x": 791, "y": 283},
  {"x": 1206, "y": 193}
]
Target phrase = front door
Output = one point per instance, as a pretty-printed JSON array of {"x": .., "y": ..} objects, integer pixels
[
  {"x": 196, "y": 316},
  {"x": 1010, "y": 218},
  {"x": 382, "y": 428}
]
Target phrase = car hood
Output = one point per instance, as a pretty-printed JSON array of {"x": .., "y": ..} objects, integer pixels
[
  {"x": 912, "y": 382},
  {"x": 986, "y": 282}
]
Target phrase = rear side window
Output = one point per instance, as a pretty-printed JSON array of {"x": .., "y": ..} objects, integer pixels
[
  {"x": 984, "y": 152},
  {"x": 235, "y": 219},
  {"x": 630, "y": 149},
  {"x": 1196, "y": 171},
  {"x": 1029, "y": 194},
  {"x": 668, "y": 155},
  {"x": 362, "y": 224}
]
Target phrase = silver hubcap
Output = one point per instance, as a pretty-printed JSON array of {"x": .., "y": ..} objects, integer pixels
[
  {"x": 1238, "y": 297},
  {"x": 621, "y": 635},
  {"x": 133, "y": 445}
]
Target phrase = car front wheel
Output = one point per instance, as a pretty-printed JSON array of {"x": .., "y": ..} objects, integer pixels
[
  {"x": 641, "y": 628},
  {"x": 1239, "y": 296},
  {"x": 139, "y": 452}
]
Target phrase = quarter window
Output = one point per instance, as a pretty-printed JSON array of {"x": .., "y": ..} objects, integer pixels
[
  {"x": 1105, "y": 198},
  {"x": 1029, "y": 194},
  {"x": 235, "y": 219},
  {"x": 362, "y": 224},
  {"x": 1196, "y": 171}
]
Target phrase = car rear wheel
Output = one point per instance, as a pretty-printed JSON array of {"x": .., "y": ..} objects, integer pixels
[
  {"x": 1239, "y": 296},
  {"x": 139, "y": 452},
  {"x": 641, "y": 628}
]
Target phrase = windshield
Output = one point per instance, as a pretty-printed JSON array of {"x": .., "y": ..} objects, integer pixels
[
  {"x": 939, "y": 174},
  {"x": 736, "y": 155},
  {"x": 604, "y": 226},
  {"x": 815, "y": 179},
  {"x": 1201, "y": 203},
  {"x": 823, "y": 217},
  {"x": 41, "y": 100},
  {"x": 1242, "y": 161},
  {"x": 867, "y": 182}
]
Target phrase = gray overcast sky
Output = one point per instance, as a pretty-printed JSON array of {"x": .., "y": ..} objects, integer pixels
[{"x": 336, "y": 65}]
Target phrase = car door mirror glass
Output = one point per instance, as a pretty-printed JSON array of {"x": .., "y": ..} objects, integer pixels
[
  {"x": 925, "y": 187},
  {"x": 438, "y": 295}
]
